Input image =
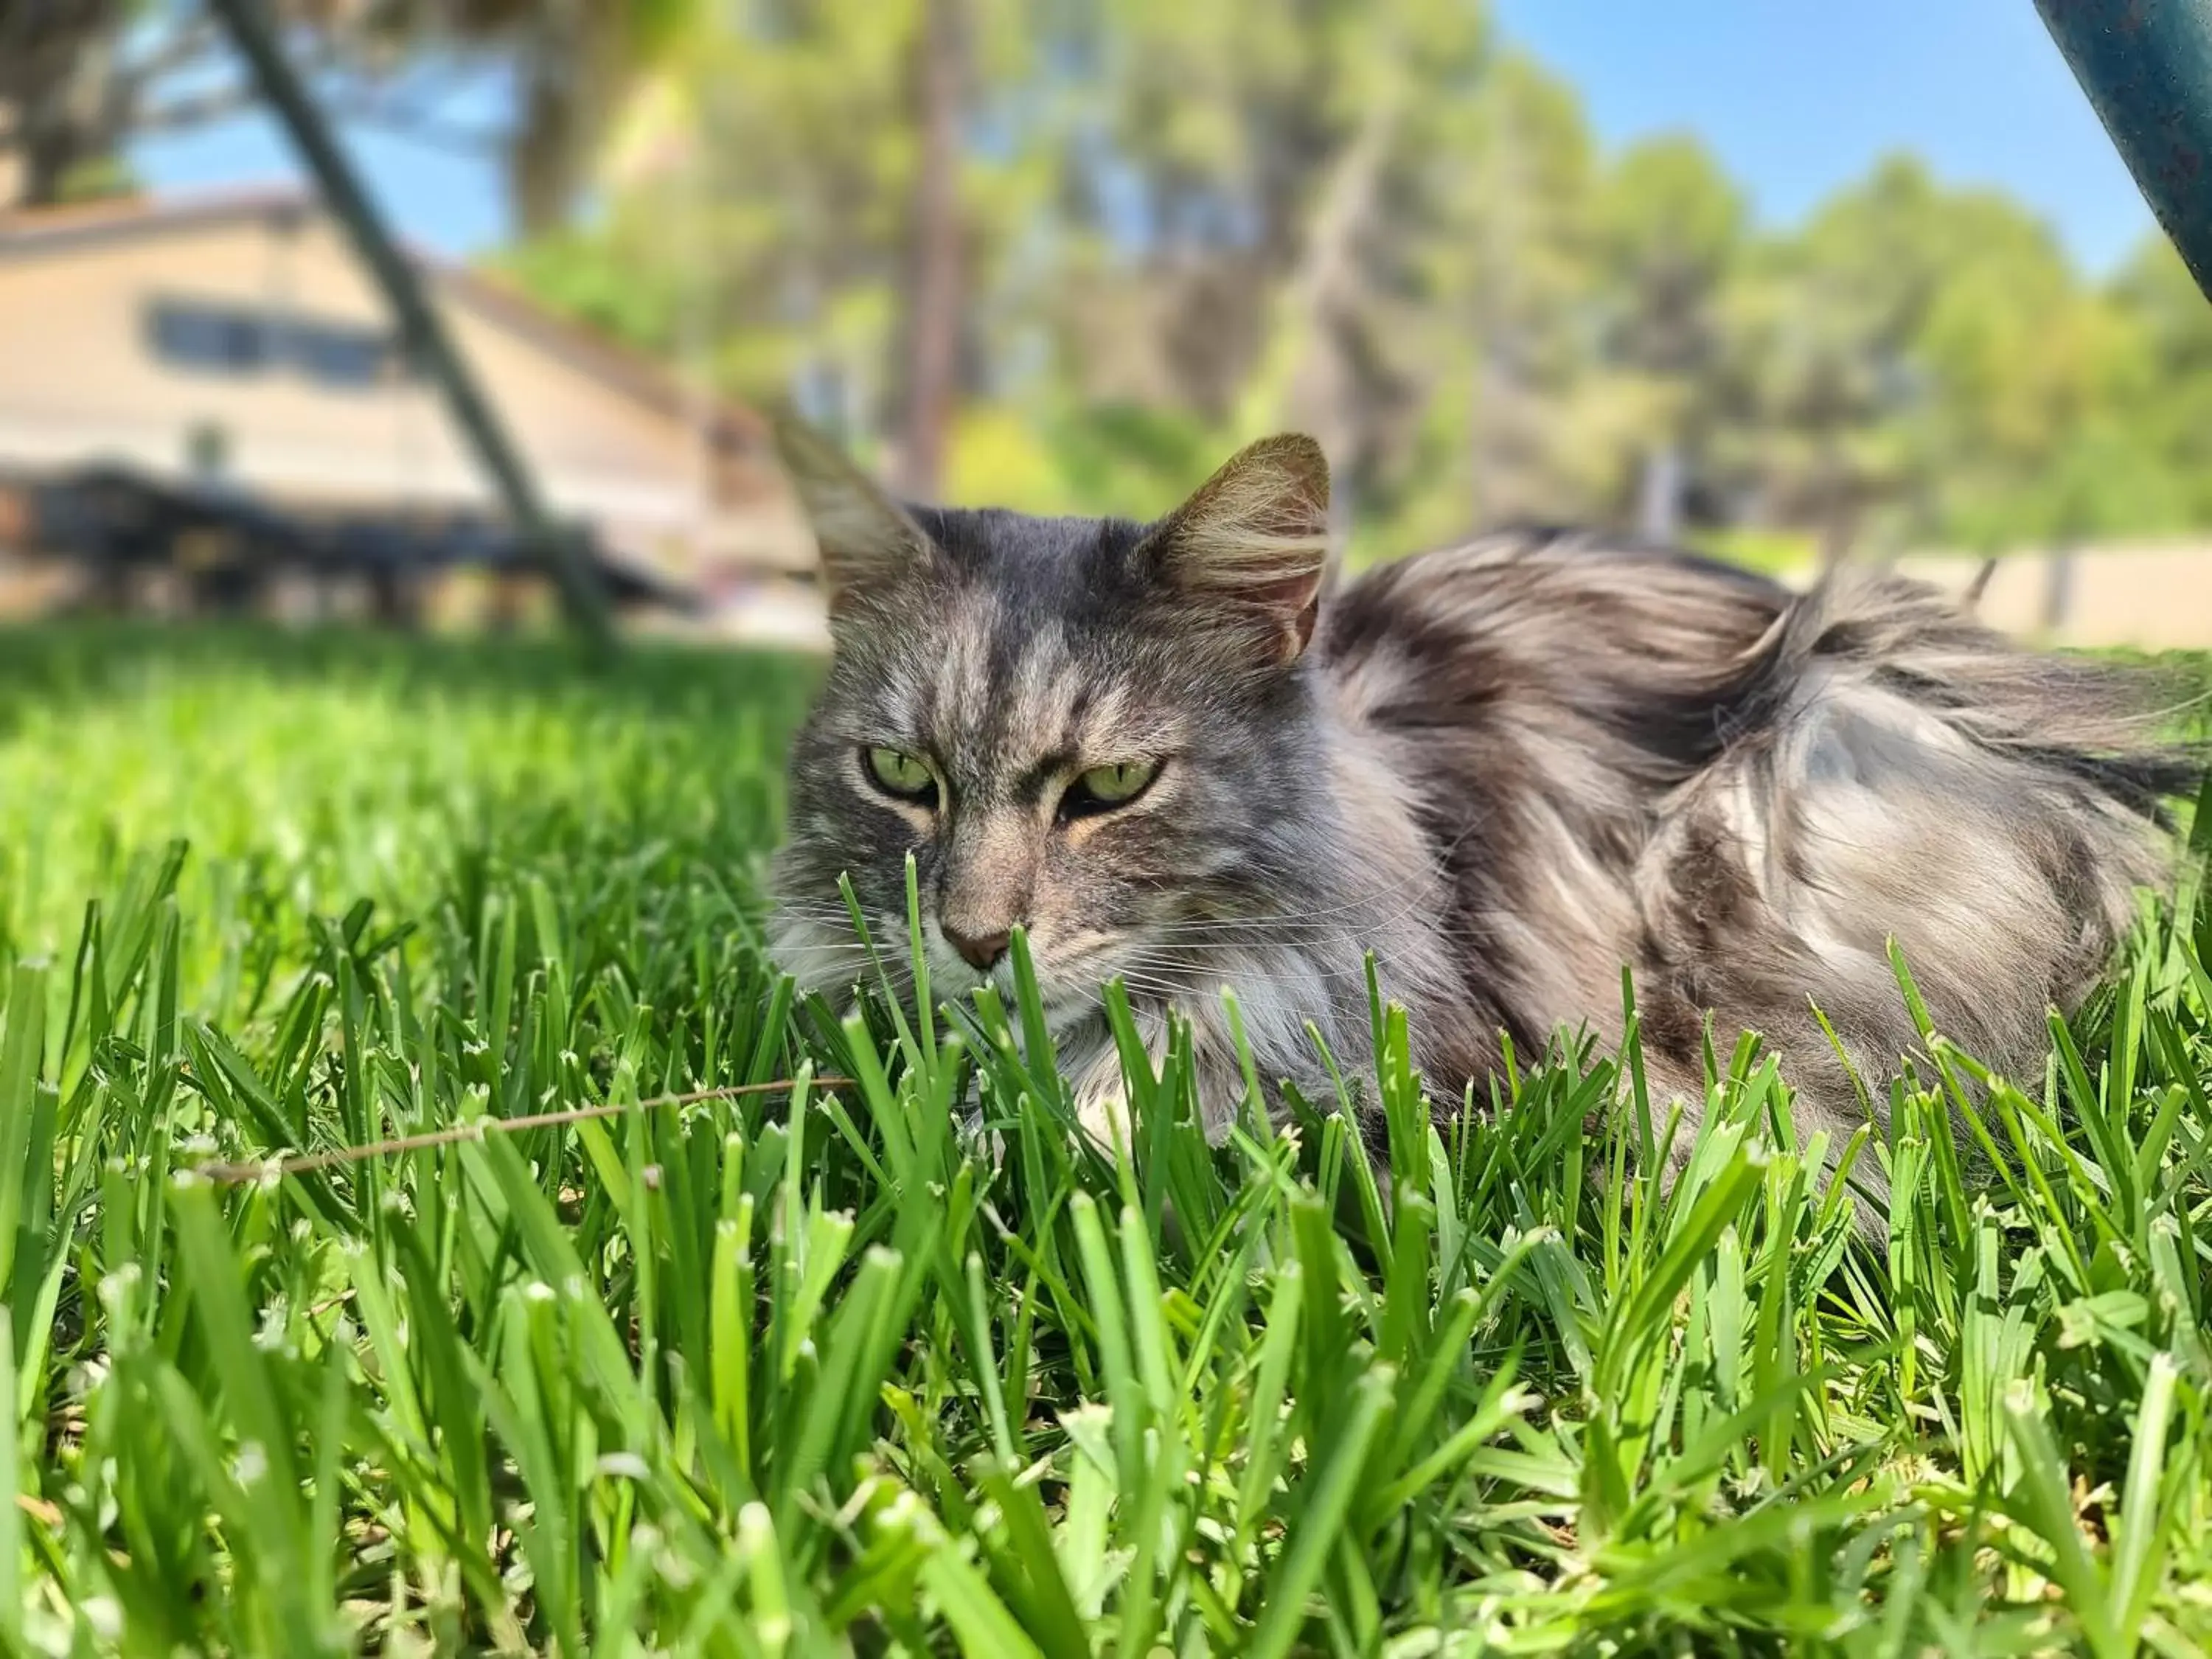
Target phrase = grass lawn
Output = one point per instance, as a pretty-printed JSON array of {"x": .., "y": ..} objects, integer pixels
[{"x": 838, "y": 1367}]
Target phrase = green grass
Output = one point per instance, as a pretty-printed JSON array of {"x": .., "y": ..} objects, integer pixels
[{"x": 841, "y": 1368}]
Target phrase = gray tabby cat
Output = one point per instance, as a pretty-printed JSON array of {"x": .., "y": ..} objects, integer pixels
[{"x": 1507, "y": 768}]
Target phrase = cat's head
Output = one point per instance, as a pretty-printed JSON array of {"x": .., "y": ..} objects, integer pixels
[{"x": 1099, "y": 731}]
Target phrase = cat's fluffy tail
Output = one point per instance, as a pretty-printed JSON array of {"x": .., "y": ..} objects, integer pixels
[
  {"x": 2104, "y": 725},
  {"x": 1901, "y": 773}
]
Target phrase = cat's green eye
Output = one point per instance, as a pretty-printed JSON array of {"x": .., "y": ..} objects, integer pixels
[
  {"x": 1104, "y": 788},
  {"x": 901, "y": 774}
]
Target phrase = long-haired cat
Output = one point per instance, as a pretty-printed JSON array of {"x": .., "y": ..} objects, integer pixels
[{"x": 1508, "y": 769}]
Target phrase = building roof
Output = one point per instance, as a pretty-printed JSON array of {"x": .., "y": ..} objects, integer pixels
[{"x": 28, "y": 233}]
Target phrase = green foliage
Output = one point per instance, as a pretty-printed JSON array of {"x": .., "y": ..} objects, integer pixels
[
  {"x": 902, "y": 1364},
  {"x": 1144, "y": 460},
  {"x": 1377, "y": 222},
  {"x": 591, "y": 278},
  {"x": 1779, "y": 552}
]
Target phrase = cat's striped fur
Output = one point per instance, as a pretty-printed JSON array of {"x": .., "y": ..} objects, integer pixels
[{"x": 1508, "y": 768}]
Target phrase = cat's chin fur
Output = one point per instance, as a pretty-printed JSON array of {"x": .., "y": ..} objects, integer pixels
[{"x": 1508, "y": 769}]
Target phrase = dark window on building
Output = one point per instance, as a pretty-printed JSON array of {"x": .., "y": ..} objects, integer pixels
[
  {"x": 220, "y": 339},
  {"x": 214, "y": 339},
  {"x": 341, "y": 356}
]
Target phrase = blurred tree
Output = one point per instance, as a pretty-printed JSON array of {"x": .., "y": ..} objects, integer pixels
[
  {"x": 2024, "y": 362},
  {"x": 1362, "y": 219},
  {"x": 780, "y": 180},
  {"x": 1344, "y": 353},
  {"x": 933, "y": 318},
  {"x": 1923, "y": 362},
  {"x": 79, "y": 79},
  {"x": 1670, "y": 229},
  {"x": 1065, "y": 254},
  {"x": 68, "y": 88},
  {"x": 1516, "y": 425},
  {"x": 571, "y": 65},
  {"x": 2161, "y": 420},
  {"x": 1835, "y": 397}
]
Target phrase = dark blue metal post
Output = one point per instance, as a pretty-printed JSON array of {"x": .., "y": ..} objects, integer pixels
[{"x": 2147, "y": 66}]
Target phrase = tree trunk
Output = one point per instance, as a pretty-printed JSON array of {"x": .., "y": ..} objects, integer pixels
[
  {"x": 1327, "y": 292},
  {"x": 1838, "y": 532},
  {"x": 1839, "y": 506},
  {"x": 56, "y": 108},
  {"x": 1496, "y": 381},
  {"x": 1659, "y": 503},
  {"x": 936, "y": 292},
  {"x": 2059, "y": 589},
  {"x": 38, "y": 148},
  {"x": 36, "y": 164}
]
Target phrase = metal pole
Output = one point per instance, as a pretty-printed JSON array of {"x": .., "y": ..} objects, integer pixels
[
  {"x": 2147, "y": 66},
  {"x": 420, "y": 325}
]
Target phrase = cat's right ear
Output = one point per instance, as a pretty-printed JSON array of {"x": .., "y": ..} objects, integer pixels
[
  {"x": 868, "y": 541},
  {"x": 1253, "y": 544}
]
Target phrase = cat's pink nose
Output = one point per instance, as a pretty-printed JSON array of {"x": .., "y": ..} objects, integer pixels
[{"x": 979, "y": 950}]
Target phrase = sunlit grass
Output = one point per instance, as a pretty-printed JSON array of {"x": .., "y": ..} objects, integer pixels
[{"x": 901, "y": 1362}]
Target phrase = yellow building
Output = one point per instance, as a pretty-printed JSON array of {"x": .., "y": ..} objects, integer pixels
[{"x": 231, "y": 346}]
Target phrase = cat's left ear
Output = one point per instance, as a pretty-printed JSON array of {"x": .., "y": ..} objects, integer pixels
[
  {"x": 1253, "y": 541},
  {"x": 868, "y": 541}
]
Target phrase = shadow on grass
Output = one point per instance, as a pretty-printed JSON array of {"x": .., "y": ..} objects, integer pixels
[{"x": 83, "y": 663}]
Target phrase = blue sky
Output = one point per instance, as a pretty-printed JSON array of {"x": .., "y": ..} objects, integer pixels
[
  {"x": 1796, "y": 96},
  {"x": 1800, "y": 96},
  {"x": 444, "y": 198}
]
